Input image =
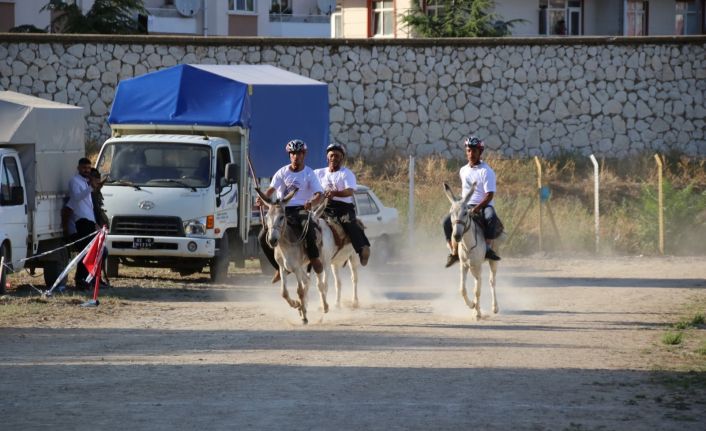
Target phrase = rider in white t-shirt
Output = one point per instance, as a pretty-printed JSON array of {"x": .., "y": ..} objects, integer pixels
[
  {"x": 339, "y": 185},
  {"x": 477, "y": 171},
  {"x": 296, "y": 175}
]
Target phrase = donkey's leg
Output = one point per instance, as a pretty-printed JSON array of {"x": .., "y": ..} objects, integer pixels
[
  {"x": 336, "y": 283},
  {"x": 354, "y": 265},
  {"x": 464, "y": 293},
  {"x": 302, "y": 288},
  {"x": 476, "y": 272},
  {"x": 493, "y": 270},
  {"x": 283, "y": 289},
  {"x": 323, "y": 289}
]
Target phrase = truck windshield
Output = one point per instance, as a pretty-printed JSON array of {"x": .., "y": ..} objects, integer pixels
[{"x": 156, "y": 164}]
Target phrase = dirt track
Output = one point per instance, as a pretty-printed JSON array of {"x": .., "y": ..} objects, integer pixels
[{"x": 576, "y": 345}]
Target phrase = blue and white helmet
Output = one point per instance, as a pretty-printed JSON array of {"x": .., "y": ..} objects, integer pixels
[
  {"x": 295, "y": 146},
  {"x": 474, "y": 142}
]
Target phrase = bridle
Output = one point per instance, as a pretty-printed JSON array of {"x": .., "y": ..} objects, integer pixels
[
  {"x": 281, "y": 226},
  {"x": 466, "y": 223}
]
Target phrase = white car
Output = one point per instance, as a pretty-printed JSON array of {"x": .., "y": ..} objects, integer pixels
[
  {"x": 381, "y": 227},
  {"x": 381, "y": 223}
]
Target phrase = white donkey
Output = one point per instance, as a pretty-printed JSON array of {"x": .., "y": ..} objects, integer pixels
[
  {"x": 471, "y": 248},
  {"x": 290, "y": 254},
  {"x": 346, "y": 253}
]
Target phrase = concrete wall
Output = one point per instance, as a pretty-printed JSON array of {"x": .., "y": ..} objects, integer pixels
[{"x": 541, "y": 96}]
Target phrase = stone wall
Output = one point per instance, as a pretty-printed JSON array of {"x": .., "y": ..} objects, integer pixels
[{"x": 526, "y": 97}]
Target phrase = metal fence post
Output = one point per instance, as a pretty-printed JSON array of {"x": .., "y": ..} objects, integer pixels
[
  {"x": 596, "y": 189},
  {"x": 410, "y": 212},
  {"x": 539, "y": 191},
  {"x": 660, "y": 203}
]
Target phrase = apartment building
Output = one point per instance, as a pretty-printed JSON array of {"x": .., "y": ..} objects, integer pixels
[
  {"x": 264, "y": 18},
  {"x": 383, "y": 18}
]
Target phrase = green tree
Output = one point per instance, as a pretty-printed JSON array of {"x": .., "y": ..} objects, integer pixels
[
  {"x": 459, "y": 18},
  {"x": 104, "y": 17}
]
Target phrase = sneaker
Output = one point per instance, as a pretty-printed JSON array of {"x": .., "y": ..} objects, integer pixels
[
  {"x": 451, "y": 259},
  {"x": 490, "y": 254},
  {"x": 364, "y": 255}
]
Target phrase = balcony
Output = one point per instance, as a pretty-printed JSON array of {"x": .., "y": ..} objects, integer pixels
[
  {"x": 167, "y": 20},
  {"x": 294, "y": 25}
]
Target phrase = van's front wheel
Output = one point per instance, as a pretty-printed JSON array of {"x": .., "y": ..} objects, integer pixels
[{"x": 4, "y": 252}]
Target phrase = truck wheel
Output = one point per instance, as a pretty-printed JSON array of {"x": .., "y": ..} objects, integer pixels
[
  {"x": 6, "y": 254},
  {"x": 219, "y": 263},
  {"x": 112, "y": 264},
  {"x": 53, "y": 268}
]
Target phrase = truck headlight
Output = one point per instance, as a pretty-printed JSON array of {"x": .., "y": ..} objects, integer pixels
[{"x": 196, "y": 227}]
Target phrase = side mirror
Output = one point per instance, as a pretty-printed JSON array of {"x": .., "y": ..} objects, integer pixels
[{"x": 232, "y": 173}]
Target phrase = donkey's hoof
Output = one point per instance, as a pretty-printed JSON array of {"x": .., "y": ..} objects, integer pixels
[
  {"x": 325, "y": 308},
  {"x": 355, "y": 304},
  {"x": 305, "y": 320},
  {"x": 495, "y": 310}
]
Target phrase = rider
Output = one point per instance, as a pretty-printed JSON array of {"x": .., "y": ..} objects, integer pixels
[
  {"x": 339, "y": 185},
  {"x": 299, "y": 176},
  {"x": 477, "y": 171}
]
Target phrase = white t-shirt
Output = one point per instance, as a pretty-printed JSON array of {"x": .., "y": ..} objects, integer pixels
[
  {"x": 80, "y": 200},
  {"x": 338, "y": 180},
  {"x": 285, "y": 180},
  {"x": 483, "y": 176}
]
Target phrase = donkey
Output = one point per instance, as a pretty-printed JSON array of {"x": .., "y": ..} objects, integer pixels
[
  {"x": 345, "y": 254},
  {"x": 471, "y": 250},
  {"x": 290, "y": 254}
]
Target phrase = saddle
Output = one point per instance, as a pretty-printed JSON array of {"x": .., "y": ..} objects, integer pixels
[
  {"x": 484, "y": 226},
  {"x": 340, "y": 237}
]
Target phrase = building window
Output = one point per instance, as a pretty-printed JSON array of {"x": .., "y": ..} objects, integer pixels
[
  {"x": 560, "y": 17},
  {"x": 242, "y": 5},
  {"x": 434, "y": 7},
  {"x": 688, "y": 17},
  {"x": 636, "y": 18},
  {"x": 382, "y": 18},
  {"x": 282, "y": 7}
]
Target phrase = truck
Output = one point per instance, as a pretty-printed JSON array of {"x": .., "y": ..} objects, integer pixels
[
  {"x": 41, "y": 142},
  {"x": 188, "y": 145}
]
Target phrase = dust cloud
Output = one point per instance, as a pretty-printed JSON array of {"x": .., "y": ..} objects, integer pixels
[{"x": 415, "y": 272}]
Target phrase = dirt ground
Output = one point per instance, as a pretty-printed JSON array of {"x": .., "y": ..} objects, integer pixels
[{"x": 576, "y": 345}]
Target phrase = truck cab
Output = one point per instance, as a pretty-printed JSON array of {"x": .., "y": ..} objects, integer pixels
[
  {"x": 169, "y": 202},
  {"x": 13, "y": 230}
]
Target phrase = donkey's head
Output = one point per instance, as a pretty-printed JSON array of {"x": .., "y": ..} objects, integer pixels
[
  {"x": 275, "y": 218},
  {"x": 460, "y": 212}
]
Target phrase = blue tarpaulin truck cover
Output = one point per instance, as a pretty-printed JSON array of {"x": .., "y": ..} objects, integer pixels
[{"x": 273, "y": 104}]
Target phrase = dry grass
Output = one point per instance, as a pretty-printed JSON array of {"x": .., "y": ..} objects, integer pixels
[{"x": 568, "y": 217}]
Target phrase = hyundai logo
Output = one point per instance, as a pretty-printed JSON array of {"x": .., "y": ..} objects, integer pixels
[{"x": 146, "y": 205}]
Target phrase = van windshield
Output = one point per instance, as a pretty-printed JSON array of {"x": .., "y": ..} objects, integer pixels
[{"x": 156, "y": 164}]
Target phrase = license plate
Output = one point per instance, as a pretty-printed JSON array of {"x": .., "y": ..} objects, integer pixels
[{"x": 142, "y": 242}]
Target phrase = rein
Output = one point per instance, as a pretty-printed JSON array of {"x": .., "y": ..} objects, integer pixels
[
  {"x": 466, "y": 227},
  {"x": 281, "y": 230}
]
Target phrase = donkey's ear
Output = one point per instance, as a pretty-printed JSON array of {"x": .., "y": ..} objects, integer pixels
[
  {"x": 263, "y": 197},
  {"x": 470, "y": 193},
  {"x": 449, "y": 193},
  {"x": 289, "y": 196}
]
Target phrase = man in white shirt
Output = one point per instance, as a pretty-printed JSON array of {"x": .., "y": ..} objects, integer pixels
[
  {"x": 477, "y": 171},
  {"x": 339, "y": 184},
  {"x": 296, "y": 175},
  {"x": 82, "y": 221}
]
